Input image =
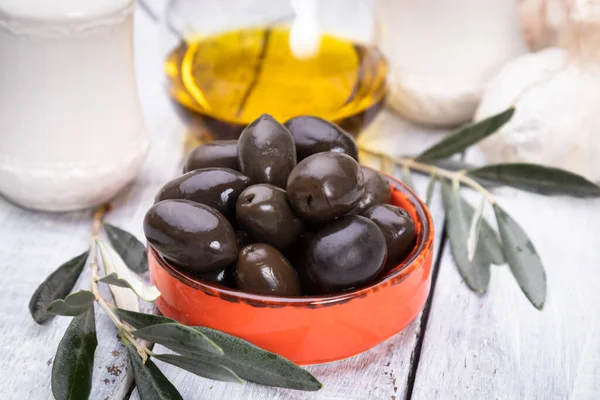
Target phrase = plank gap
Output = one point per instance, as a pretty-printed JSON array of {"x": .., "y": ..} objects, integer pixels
[{"x": 416, "y": 355}]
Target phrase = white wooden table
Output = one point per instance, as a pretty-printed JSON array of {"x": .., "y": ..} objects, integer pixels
[{"x": 463, "y": 345}]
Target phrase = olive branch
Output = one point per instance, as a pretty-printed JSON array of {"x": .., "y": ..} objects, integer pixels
[
  {"x": 474, "y": 243},
  {"x": 202, "y": 351}
]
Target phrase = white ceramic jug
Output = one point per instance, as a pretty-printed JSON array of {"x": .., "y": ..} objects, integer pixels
[{"x": 71, "y": 129}]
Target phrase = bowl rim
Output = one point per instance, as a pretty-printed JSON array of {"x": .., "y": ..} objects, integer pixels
[{"x": 415, "y": 259}]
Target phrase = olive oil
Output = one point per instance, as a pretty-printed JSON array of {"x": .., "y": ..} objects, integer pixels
[{"x": 222, "y": 83}]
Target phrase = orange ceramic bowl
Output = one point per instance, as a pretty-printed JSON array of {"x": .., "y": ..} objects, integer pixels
[{"x": 312, "y": 329}]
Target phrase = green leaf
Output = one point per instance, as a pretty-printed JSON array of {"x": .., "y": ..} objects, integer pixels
[
  {"x": 131, "y": 250},
  {"x": 466, "y": 136},
  {"x": 488, "y": 241},
  {"x": 247, "y": 360},
  {"x": 74, "y": 360},
  {"x": 523, "y": 260},
  {"x": 141, "y": 320},
  {"x": 147, "y": 293},
  {"x": 406, "y": 178},
  {"x": 56, "y": 286},
  {"x": 429, "y": 191},
  {"x": 113, "y": 264},
  {"x": 388, "y": 166},
  {"x": 74, "y": 304},
  {"x": 200, "y": 368},
  {"x": 260, "y": 366},
  {"x": 474, "y": 230},
  {"x": 150, "y": 382},
  {"x": 538, "y": 179},
  {"x": 179, "y": 338},
  {"x": 476, "y": 273}
]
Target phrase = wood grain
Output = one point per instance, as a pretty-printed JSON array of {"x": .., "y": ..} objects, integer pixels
[{"x": 498, "y": 345}]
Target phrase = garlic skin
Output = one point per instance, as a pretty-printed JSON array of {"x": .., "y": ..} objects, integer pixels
[
  {"x": 442, "y": 53},
  {"x": 542, "y": 20},
  {"x": 557, "y": 97}
]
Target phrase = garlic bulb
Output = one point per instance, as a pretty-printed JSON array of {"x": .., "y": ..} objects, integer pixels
[
  {"x": 441, "y": 54},
  {"x": 542, "y": 20},
  {"x": 556, "y": 93}
]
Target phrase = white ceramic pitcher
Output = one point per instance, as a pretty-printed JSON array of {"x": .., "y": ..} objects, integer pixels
[{"x": 71, "y": 128}]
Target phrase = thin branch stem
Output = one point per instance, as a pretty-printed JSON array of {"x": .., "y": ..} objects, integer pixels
[
  {"x": 106, "y": 306},
  {"x": 459, "y": 176}
]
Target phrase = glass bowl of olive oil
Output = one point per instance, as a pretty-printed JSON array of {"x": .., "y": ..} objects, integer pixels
[{"x": 231, "y": 61}]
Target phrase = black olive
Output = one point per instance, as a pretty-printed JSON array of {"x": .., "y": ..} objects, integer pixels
[
  {"x": 191, "y": 234},
  {"x": 266, "y": 151},
  {"x": 398, "y": 228},
  {"x": 262, "y": 269},
  {"x": 315, "y": 135},
  {"x": 264, "y": 212},
  {"x": 215, "y": 187},
  {"x": 377, "y": 191},
  {"x": 347, "y": 253},
  {"x": 224, "y": 277},
  {"x": 325, "y": 186},
  {"x": 216, "y": 154},
  {"x": 242, "y": 238}
]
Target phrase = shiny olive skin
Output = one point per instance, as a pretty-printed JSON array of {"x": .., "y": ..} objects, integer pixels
[
  {"x": 315, "y": 135},
  {"x": 297, "y": 257},
  {"x": 266, "y": 151},
  {"x": 347, "y": 253},
  {"x": 264, "y": 212},
  {"x": 215, "y": 187},
  {"x": 377, "y": 191},
  {"x": 242, "y": 238},
  {"x": 325, "y": 186},
  {"x": 192, "y": 235},
  {"x": 216, "y": 154},
  {"x": 262, "y": 269},
  {"x": 398, "y": 228},
  {"x": 224, "y": 277}
]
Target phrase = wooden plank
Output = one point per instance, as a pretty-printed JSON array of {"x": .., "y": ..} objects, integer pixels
[
  {"x": 382, "y": 372},
  {"x": 498, "y": 345}
]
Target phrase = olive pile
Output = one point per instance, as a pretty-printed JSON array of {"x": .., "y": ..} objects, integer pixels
[{"x": 285, "y": 210}]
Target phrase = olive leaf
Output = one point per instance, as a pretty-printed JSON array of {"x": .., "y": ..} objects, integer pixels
[
  {"x": 151, "y": 383},
  {"x": 72, "y": 305},
  {"x": 466, "y": 136},
  {"x": 476, "y": 273},
  {"x": 387, "y": 165},
  {"x": 56, "y": 286},
  {"x": 488, "y": 237},
  {"x": 538, "y": 179},
  {"x": 429, "y": 190},
  {"x": 247, "y": 360},
  {"x": 113, "y": 264},
  {"x": 200, "y": 368},
  {"x": 146, "y": 293},
  {"x": 131, "y": 250},
  {"x": 74, "y": 360},
  {"x": 179, "y": 338},
  {"x": 475, "y": 230},
  {"x": 406, "y": 178},
  {"x": 523, "y": 260}
]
